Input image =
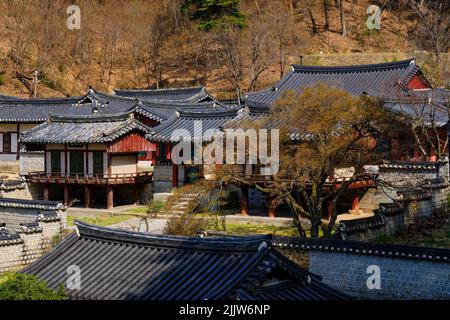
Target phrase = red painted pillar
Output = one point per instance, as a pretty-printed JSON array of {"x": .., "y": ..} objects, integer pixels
[
  {"x": 66, "y": 194},
  {"x": 168, "y": 151},
  {"x": 416, "y": 153},
  {"x": 46, "y": 187},
  {"x": 109, "y": 197},
  {"x": 273, "y": 204},
  {"x": 174, "y": 175},
  {"x": 355, "y": 203},
  {"x": 330, "y": 209},
  {"x": 137, "y": 194},
  {"x": 244, "y": 201},
  {"x": 433, "y": 156},
  {"x": 87, "y": 196}
]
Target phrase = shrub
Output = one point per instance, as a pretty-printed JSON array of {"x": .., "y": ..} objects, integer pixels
[
  {"x": 185, "y": 225},
  {"x": 27, "y": 287}
]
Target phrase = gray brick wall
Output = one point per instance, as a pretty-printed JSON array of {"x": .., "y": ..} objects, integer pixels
[
  {"x": 400, "y": 278},
  {"x": 16, "y": 256},
  {"x": 395, "y": 222}
]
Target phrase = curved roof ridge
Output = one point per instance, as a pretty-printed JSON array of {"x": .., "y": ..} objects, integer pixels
[
  {"x": 244, "y": 244},
  {"x": 55, "y": 117},
  {"x": 159, "y": 90},
  {"x": 403, "y": 64},
  {"x": 209, "y": 114},
  {"x": 50, "y": 100}
]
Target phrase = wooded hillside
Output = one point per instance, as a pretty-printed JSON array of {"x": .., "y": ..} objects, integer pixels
[{"x": 231, "y": 46}]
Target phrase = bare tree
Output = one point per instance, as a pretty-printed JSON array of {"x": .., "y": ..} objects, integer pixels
[
  {"x": 325, "y": 12},
  {"x": 233, "y": 56},
  {"x": 342, "y": 18},
  {"x": 308, "y": 6},
  {"x": 260, "y": 51},
  {"x": 433, "y": 24},
  {"x": 283, "y": 33}
]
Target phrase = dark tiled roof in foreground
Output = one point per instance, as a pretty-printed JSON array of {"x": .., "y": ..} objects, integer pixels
[
  {"x": 118, "y": 264},
  {"x": 364, "y": 248},
  {"x": 83, "y": 129},
  {"x": 380, "y": 80},
  {"x": 31, "y": 204},
  {"x": 190, "y": 94}
]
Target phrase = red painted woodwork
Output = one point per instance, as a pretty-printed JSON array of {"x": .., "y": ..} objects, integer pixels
[
  {"x": 147, "y": 121},
  {"x": 132, "y": 142},
  {"x": 355, "y": 203},
  {"x": 174, "y": 175},
  {"x": 168, "y": 150},
  {"x": 417, "y": 83},
  {"x": 273, "y": 204},
  {"x": 244, "y": 201}
]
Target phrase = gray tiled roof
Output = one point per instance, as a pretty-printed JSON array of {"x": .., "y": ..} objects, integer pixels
[
  {"x": 38, "y": 110},
  {"x": 183, "y": 120},
  {"x": 125, "y": 265},
  {"x": 379, "y": 80},
  {"x": 191, "y": 94},
  {"x": 83, "y": 129}
]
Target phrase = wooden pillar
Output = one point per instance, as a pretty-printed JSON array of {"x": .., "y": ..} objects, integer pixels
[
  {"x": 355, "y": 203},
  {"x": 329, "y": 209},
  {"x": 273, "y": 204},
  {"x": 66, "y": 194},
  {"x": 174, "y": 175},
  {"x": 46, "y": 187},
  {"x": 244, "y": 201},
  {"x": 137, "y": 193},
  {"x": 87, "y": 196},
  {"x": 109, "y": 197}
]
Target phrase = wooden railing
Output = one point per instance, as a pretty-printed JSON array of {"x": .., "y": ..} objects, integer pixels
[{"x": 120, "y": 178}]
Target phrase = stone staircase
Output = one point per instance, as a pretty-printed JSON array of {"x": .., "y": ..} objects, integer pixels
[{"x": 179, "y": 204}]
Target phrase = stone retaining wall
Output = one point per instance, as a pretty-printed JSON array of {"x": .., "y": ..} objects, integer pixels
[
  {"x": 373, "y": 271},
  {"x": 28, "y": 246},
  {"x": 399, "y": 278}
]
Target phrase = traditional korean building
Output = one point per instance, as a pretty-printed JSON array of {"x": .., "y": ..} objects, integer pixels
[
  {"x": 20, "y": 114},
  {"x": 91, "y": 158},
  {"x": 124, "y": 265},
  {"x": 401, "y": 85},
  {"x": 192, "y": 125}
]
